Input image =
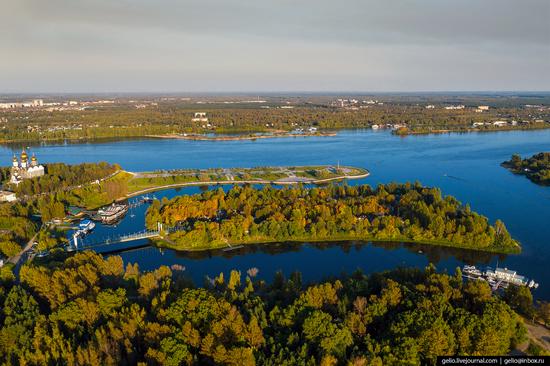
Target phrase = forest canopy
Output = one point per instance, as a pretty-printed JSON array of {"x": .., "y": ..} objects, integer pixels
[
  {"x": 392, "y": 212},
  {"x": 88, "y": 310},
  {"x": 536, "y": 168}
]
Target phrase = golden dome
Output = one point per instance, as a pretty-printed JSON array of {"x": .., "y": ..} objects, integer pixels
[
  {"x": 14, "y": 158},
  {"x": 24, "y": 155},
  {"x": 33, "y": 157}
]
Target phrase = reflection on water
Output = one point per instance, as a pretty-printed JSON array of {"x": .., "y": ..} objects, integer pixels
[
  {"x": 314, "y": 260},
  {"x": 434, "y": 254}
]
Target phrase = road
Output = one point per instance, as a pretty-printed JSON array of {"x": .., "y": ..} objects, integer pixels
[{"x": 24, "y": 253}]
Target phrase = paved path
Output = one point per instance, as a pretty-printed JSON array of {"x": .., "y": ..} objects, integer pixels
[
  {"x": 257, "y": 181},
  {"x": 16, "y": 259}
]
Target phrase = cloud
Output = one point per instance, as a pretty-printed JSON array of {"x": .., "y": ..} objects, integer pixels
[{"x": 304, "y": 44}]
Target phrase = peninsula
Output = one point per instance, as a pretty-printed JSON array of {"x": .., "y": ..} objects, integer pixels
[
  {"x": 536, "y": 168},
  {"x": 139, "y": 183}
]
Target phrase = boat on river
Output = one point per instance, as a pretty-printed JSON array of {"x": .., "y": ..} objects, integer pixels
[
  {"x": 498, "y": 277},
  {"x": 86, "y": 226},
  {"x": 148, "y": 199},
  {"x": 112, "y": 213}
]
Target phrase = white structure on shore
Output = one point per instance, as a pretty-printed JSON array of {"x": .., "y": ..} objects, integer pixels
[
  {"x": 32, "y": 104},
  {"x": 22, "y": 169},
  {"x": 7, "y": 196},
  {"x": 200, "y": 117}
]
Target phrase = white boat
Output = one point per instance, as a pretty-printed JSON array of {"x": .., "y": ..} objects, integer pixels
[
  {"x": 86, "y": 226},
  {"x": 112, "y": 213}
]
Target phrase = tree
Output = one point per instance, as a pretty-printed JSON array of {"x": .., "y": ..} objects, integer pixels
[
  {"x": 20, "y": 313},
  {"x": 520, "y": 298}
]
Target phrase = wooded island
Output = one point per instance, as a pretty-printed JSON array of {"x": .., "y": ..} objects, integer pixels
[{"x": 392, "y": 212}]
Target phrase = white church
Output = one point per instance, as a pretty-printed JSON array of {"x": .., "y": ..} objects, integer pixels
[{"x": 24, "y": 170}]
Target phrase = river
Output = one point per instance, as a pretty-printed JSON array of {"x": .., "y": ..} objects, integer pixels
[{"x": 466, "y": 166}]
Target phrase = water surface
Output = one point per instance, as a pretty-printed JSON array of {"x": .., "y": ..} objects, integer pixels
[{"x": 466, "y": 166}]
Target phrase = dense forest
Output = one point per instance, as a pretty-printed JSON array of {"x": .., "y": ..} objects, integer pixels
[
  {"x": 392, "y": 212},
  {"x": 536, "y": 168},
  {"x": 87, "y": 310},
  {"x": 16, "y": 227}
]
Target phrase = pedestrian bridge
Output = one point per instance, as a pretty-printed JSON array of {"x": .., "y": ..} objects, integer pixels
[{"x": 105, "y": 244}]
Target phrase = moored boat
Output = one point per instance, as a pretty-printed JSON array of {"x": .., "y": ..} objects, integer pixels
[
  {"x": 498, "y": 277},
  {"x": 148, "y": 199},
  {"x": 86, "y": 226},
  {"x": 112, "y": 213}
]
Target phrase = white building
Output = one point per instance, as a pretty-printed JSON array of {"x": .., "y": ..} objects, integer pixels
[
  {"x": 24, "y": 170},
  {"x": 12, "y": 105},
  {"x": 500, "y": 123},
  {"x": 505, "y": 274},
  {"x": 455, "y": 107},
  {"x": 200, "y": 117},
  {"x": 7, "y": 196}
]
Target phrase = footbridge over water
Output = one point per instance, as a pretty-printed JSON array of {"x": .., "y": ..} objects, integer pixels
[{"x": 107, "y": 244}]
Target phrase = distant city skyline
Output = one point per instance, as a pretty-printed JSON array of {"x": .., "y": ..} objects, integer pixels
[{"x": 216, "y": 46}]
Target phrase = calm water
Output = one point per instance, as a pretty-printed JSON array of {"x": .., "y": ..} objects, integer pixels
[{"x": 463, "y": 165}]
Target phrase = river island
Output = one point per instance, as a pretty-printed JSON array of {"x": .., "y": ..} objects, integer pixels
[{"x": 394, "y": 212}]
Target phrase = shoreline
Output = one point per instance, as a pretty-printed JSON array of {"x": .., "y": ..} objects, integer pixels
[
  {"x": 238, "y": 137},
  {"x": 508, "y": 166},
  {"x": 470, "y": 130},
  {"x": 100, "y": 139},
  {"x": 434, "y": 243}
]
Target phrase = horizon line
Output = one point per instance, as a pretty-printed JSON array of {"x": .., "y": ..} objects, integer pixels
[{"x": 273, "y": 92}]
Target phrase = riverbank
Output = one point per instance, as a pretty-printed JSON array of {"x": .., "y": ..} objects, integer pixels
[
  {"x": 406, "y": 131},
  {"x": 167, "y": 243},
  {"x": 240, "y": 137}
]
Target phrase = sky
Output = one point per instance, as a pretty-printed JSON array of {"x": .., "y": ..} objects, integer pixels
[{"x": 273, "y": 45}]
